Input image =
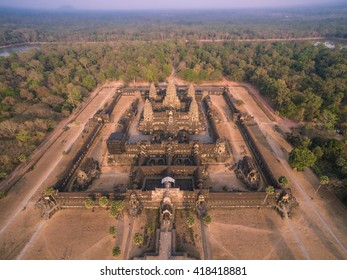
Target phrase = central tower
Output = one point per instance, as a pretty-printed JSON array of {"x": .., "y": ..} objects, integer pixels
[
  {"x": 171, "y": 117},
  {"x": 171, "y": 99}
]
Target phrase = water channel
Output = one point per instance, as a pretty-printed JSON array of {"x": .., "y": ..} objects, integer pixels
[{"x": 6, "y": 51}]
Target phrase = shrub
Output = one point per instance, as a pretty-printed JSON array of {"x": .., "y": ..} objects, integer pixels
[
  {"x": 48, "y": 191},
  {"x": 2, "y": 195},
  {"x": 207, "y": 219},
  {"x": 112, "y": 230},
  {"x": 190, "y": 221},
  {"x": 116, "y": 209},
  {"x": 150, "y": 228},
  {"x": 103, "y": 201},
  {"x": 89, "y": 203},
  {"x": 116, "y": 252},
  {"x": 138, "y": 239}
]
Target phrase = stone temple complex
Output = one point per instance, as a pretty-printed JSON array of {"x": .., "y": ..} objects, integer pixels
[
  {"x": 169, "y": 122},
  {"x": 173, "y": 143},
  {"x": 170, "y": 116}
]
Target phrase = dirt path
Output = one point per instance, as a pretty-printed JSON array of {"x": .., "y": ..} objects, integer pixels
[
  {"x": 205, "y": 240},
  {"x": 266, "y": 40},
  {"x": 297, "y": 238},
  {"x": 32, "y": 239},
  {"x": 127, "y": 243}
]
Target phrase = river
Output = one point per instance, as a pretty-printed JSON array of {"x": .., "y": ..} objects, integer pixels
[{"x": 6, "y": 51}]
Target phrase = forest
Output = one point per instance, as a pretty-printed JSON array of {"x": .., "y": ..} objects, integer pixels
[
  {"x": 23, "y": 26},
  {"x": 40, "y": 87},
  {"x": 303, "y": 81}
]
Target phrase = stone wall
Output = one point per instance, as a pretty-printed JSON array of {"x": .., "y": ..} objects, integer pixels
[
  {"x": 180, "y": 199},
  {"x": 258, "y": 157}
]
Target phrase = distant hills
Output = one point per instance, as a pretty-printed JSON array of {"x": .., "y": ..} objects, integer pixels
[{"x": 67, "y": 8}]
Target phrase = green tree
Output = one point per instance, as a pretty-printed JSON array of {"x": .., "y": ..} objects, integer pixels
[
  {"x": 89, "y": 203},
  {"x": 340, "y": 162},
  {"x": 75, "y": 97},
  {"x": 323, "y": 180},
  {"x": 283, "y": 181},
  {"x": 116, "y": 252},
  {"x": 112, "y": 230},
  {"x": 312, "y": 104},
  {"x": 103, "y": 201},
  {"x": 299, "y": 158},
  {"x": 138, "y": 239},
  {"x": 305, "y": 142},
  {"x": 88, "y": 82},
  {"x": 3, "y": 175},
  {"x": 328, "y": 119},
  {"x": 48, "y": 191},
  {"x": 150, "y": 228},
  {"x": 113, "y": 212},
  {"x": 206, "y": 219},
  {"x": 282, "y": 93},
  {"x": 23, "y": 136},
  {"x": 22, "y": 158},
  {"x": 318, "y": 152},
  {"x": 116, "y": 208},
  {"x": 190, "y": 221},
  {"x": 269, "y": 191},
  {"x": 2, "y": 195}
]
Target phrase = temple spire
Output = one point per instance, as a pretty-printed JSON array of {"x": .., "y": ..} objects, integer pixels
[
  {"x": 152, "y": 92},
  {"x": 194, "y": 110},
  {"x": 148, "y": 111},
  {"x": 191, "y": 91},
  {"x": 171, "y": 99}
]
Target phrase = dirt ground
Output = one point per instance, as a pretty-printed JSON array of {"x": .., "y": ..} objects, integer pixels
[
  {"x": 147, "y": 216},
  {"x": 262, "y": 234},
  {"x": 233, "y": 234},
  {"x": 249, "y": 234},
  {"x": 223, "y": 178},
  {"x": 189, "y": 242},
  {"x": 74, "y": 235}
]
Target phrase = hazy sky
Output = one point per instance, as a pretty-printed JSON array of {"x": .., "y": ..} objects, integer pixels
[{"x": 160, "y": 4}]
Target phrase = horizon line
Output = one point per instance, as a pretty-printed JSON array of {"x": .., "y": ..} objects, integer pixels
[{"x": 71, "y": 9}]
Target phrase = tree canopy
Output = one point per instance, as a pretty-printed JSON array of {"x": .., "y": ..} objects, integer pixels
[
  {"x": 299, "y": 158},
  {"x": 283, "y": 181},
  {"x": 103, "y": 201},
  {"x": 138, "y": 239},
  {"x": 89, "y": 203}
]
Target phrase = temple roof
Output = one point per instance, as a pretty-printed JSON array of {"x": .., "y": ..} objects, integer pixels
[
  {"x": 152, "y": 92},
  {"x": 171, "y": 99},
  {"x": 191, "y": 91},
  {"x": 148, "y": 111},
  {"x": 194, "y": 110}
]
